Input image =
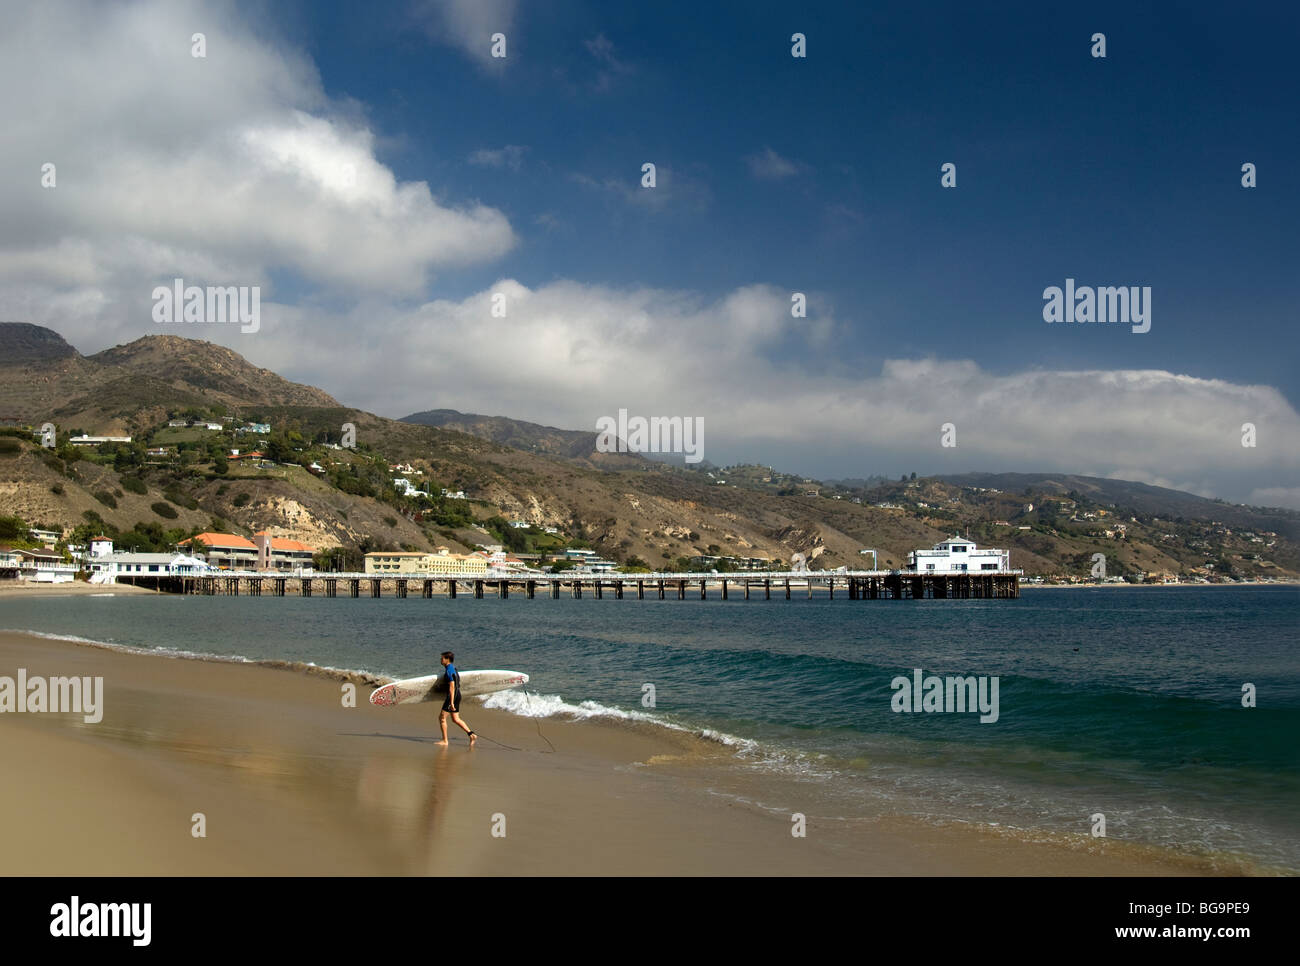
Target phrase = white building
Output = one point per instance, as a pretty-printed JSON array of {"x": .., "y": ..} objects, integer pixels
[
  {"x": 45, "y": 567},
  {"x": 406, "y": 487},
  {"x": 956, "y": 555},
  {"x": 97, "y": 440},
  {"x": 107, "y": 569}
]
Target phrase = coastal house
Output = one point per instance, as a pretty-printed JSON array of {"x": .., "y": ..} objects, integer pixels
[
  {"x": 395, "y": 562},
  {"x": 9, "y": 563},
  {"x": 956, "y": 555},
  {"x": 45, "y": 567},
  {"x": 405, "y": 487},
  {"x": 260, "y": 429},
  {"x": 441, "y": 562},
  {"x": 453, "y": 494},
  {"x": 225, "y": 551},
  {"x": 48, "y": 538},
  {"x": 282, "y": 553},
  {"x": 229, "y": 551},
  {"x": 111, "y": 568}
]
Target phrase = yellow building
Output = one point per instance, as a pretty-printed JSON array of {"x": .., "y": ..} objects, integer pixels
[
  {"x": 443, "y": 562},
  {"x": 416, "y": 562}
]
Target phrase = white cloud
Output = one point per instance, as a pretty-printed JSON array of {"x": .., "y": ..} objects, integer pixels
[
  {"x": 673, "y": 190},
  {"x": 511, "y": 156},
  {"x": 767, "y": 165},
  {"x": 611, "y": 65},
  {"x": 1283, "y": 496},
  {"x": 567, "y": 353},
  {"x": 469, "y": 25},
  {"x": 234, "y": 168}
]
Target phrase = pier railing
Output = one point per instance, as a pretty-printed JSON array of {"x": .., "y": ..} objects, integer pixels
[{"x": 853, "y": 584}]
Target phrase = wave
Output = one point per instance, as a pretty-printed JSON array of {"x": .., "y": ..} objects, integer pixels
[{"x": 752, "y": 752}]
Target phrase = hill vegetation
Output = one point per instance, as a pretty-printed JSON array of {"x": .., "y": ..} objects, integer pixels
[{"x": 248, "y": 450}]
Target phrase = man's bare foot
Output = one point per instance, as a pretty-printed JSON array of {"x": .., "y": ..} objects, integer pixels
[
  {"x": 443, "y": 742},
  {"x": 472, "y": 738}
]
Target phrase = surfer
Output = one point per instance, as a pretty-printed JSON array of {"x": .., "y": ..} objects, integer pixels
[{"x": 452, "y": 703}]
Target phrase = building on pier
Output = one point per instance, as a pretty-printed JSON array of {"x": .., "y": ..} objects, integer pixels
[
  {"x": 107, "y": 568},
  {"x": 956, "y": 555}
]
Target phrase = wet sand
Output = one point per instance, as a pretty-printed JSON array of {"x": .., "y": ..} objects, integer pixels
[
  {"x": 10, "y": 589},
  {"x": 289, "y": 781}
]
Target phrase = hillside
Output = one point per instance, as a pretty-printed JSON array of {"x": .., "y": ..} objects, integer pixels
[
  {"x": 126, "y": 389},
  {"x": 626, "y": 507},
  {"x": 573, "y": 445}
]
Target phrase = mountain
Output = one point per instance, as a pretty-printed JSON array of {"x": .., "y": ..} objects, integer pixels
[
  {"x": 622, "y": 505},
  {"x": 24, "y": 344},
  {"x": 568, "y": 444},
  {"x": 1139, "y": 498},
  {"x": 127, "y": 388}
]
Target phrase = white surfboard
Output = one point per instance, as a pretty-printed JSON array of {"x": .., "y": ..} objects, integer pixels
[{"x": 433, "y": 687}]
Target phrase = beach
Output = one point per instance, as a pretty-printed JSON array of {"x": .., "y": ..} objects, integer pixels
[
  {"x": 290, "y": 781},
  {"x": 12, "y": 589}
]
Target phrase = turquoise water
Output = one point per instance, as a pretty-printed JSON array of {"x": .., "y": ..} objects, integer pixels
[{"x": 1120, "y": 701}]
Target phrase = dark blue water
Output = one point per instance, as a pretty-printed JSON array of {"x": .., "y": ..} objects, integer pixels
[{"x": 1126, "y": 702}]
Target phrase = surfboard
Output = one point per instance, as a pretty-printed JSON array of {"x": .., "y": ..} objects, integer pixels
[{"x": 433, "y": 687}]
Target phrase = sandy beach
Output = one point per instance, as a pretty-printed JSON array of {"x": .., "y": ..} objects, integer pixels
[
  {"x": 10, "y": 589},
  {"x": 290, "y": 781}
]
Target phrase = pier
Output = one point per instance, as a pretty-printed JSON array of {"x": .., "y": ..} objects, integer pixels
[{"x": 786, "y": 585}]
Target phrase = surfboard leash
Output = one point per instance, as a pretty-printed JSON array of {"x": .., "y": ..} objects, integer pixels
[{"x": 538, "y": 721}]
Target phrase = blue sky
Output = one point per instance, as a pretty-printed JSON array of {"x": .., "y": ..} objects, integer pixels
[
  {"x": 470, "y": 177},
  {"x": 1117, "y": 171}
]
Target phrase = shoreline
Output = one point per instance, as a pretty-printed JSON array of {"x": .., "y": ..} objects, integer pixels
[
  {"x": 291, "y": 781},
  {"x": 11, "y": 589}
]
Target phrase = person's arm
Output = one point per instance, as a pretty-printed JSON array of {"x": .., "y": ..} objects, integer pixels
[{"x": 451, "y": 691}]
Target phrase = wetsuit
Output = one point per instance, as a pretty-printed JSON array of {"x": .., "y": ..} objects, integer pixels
[{"x": 451, "y": 675}]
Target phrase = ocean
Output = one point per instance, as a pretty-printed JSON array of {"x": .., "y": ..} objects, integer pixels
[{"x": 1124, "y": 702}]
